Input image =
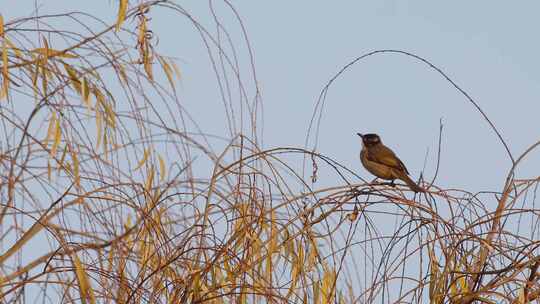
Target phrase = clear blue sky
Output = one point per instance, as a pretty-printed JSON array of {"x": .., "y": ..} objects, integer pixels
[{"x": 488, "y": 48}]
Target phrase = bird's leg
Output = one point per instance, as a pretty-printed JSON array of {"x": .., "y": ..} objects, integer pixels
[{"x": 383, "y": 183}]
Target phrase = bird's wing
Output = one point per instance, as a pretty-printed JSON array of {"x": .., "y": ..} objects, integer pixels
[
  {"x": 385, "y": 156},
  {"x": 403, "y": 166}
]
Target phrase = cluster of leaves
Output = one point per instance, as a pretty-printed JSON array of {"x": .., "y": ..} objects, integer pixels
[{"x": 102, "y": 201}]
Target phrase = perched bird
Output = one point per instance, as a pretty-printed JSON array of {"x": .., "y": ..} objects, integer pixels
[{"x": 382, "y": 162}]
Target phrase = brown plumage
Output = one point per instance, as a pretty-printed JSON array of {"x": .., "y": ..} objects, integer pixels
[{"x": 382, "y": 162}]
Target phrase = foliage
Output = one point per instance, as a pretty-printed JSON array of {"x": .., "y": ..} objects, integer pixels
[{"x": 104, "y": 195}]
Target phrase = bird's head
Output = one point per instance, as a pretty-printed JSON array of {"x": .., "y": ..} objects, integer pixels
[{"x": 370, "y": 139}]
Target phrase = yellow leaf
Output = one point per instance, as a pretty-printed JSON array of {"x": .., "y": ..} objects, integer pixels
[
  {"x": 67, "y": 168},
  {"x": 162, "y": 169},
  {"x": 105, "y": 145},
  {"x": 50, "y": 129},
  {"x": 144, "y": 253},
  {"x": 312, "y": 256},
  {"x": 122, "y": 73},
  {"x": 44, "y": 79},
  {"x": 110, "y": 114},
  {"x": 148, "y": 69},
  {"x": 57, "y": 137},
  {"x": 272, "y": 246},
  {"x": 122, "y": 10},
  {"x": 300, "y": 251},
  {"x": 317, "y": 292},
  {"x": 87, "y": 294},
  {"x": 76, "y": 169},
  {"x": 48, "y": 52},
  {"x": 45, "y": 50},
  {"x": 35, "y": 74},
  {"x": 72, "y": 73},
  {"x": 110, "y": 260},
  {"x": 144, "y": 159},
  {"x": 17, "y": 51},
  {"x": 328, "y": 285},
  {"x": 1, "y": 26},
  {"x": 128, "y": 224},
  {"x": 149, "y": 181},
  {"x": 167, "y": 69},
  {"x": 5, "y": 74},
  {"x": 100, "y": 98},
  {"x": 86, "y": 93},
  {"x": 141, "y": 35},
  {"x": 294, "y": 280},
  {"x": 62, "y": 158},
  {"x": 521, "y": 296},
  {"x": 64, "y": 54},
  {"x": 453, "y": 290},
  {"x": 99, "y": 127},
  {"x": 176, "y": 69}
]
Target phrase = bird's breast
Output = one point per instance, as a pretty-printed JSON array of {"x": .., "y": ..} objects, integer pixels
[{"x": 375, "y": 168}]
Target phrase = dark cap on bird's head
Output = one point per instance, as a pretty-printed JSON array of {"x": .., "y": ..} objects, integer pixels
[{"x": 369, "y": 139}]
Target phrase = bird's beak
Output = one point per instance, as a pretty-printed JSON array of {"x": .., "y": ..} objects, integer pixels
[{"x": 360, "y": 135}]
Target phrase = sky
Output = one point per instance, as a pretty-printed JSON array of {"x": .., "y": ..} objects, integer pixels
[{"x": 488, "y": 48}]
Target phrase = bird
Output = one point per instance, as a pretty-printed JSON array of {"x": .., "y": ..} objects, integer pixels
[{"x": 382, "y": 162}]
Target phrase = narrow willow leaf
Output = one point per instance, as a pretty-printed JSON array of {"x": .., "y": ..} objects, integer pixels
[
  {"x": 99, "y": 127},
  {"x": 317, "y": 293},
  {"x": 75, "y": 82},
  {"x": 50, "y": 129},
  {"x": 45, "y": 51},
  {"x": 1, "y": 26},
  {"x": 328, "y": 285},
  {"x": 176, "y": 69},
  {"x": 5, "y": 74},
  {"x": 86, "y": 92},
  {"x": 122, "y": 73},
  {"x": 294, "y": 280},
  {"x": 62, "y": 159},
  {"x": 15, "y": 49},
  {"x": 111, "y": 116},
  {"x": 122, "y": 10},
  {"x": 144, "y": 159},
  {"x": 57, "y": 137},
  {"x": 105, "y": 145},
  {"x": 49, "y": 53},
  {"x": 86, "y": 291},
  {"x": 149, "y": 182},
  {"x": 44, "y": 79},
  {"x": 148, "y": 69},
  {"x": 76, "y": 169},
  {"x": 162, "y": 169},
  {"x": 168, "y": 70}
]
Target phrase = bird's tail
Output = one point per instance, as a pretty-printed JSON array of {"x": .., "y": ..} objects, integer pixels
[{"x": 414, "y": 187}]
